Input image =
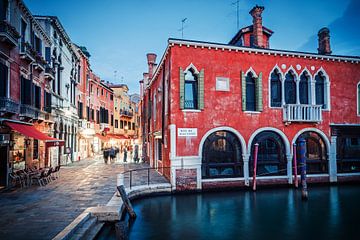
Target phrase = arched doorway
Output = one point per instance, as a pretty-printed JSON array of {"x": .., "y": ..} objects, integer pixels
[
  {"x": 316, "y": 157},
  {"x": 271, "y": 158},
  {"x": 222, "y": 156}
]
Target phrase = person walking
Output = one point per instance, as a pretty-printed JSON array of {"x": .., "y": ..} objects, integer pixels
[
  {"x": 125, "y": 154},
  {"x": 136, "y": 154}
]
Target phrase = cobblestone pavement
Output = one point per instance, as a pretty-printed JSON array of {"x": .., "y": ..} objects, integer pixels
[{"x": 42, "y": 212}]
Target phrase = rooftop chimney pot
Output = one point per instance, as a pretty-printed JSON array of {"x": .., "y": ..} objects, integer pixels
[
  {"x": 257, "y": 26},
  {"x": 324, "y": 41}
]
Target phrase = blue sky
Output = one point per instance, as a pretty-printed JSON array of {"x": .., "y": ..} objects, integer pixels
[{"x": 119, "y": 33}]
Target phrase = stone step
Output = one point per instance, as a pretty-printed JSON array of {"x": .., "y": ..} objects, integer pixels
[{"x": 84, "y": 229}]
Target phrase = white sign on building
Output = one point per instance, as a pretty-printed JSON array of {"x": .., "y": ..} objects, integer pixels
[{"x": 187, "y": 132}]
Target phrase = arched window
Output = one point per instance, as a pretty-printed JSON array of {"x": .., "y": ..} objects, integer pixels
[
  {"x": 320, "y": 89},
  {"x": 191, "y": 90},
  {"x": 250, "y": 92},
  {"x": 316, "y": 157},
  {"x": 275, "y": 89},
  {"x": 271, "y": 154},
  {"x": 222, "y": 156},
  {"x": 304, "y": 89},
  {"x": 290, "y": 88}
]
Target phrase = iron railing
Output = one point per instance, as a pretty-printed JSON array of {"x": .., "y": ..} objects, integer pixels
[
  {"x": 134, "y": 174},
  {"x": 9, "y": 32},
  {"x": 8, "y": 105},
  {"x": 27, "y": 111}
]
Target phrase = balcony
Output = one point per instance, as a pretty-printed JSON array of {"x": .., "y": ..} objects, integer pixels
[
  {"x": 8, "y": 105},
  {"x": 39, "y": 115},
  {"x": 104, "y": 126},
  {"x": 8, "y": 33},
  {"x": 41, "y": 63},
  {"x": 302, "y": 113},
  {"x": 50, "y": 72},
  {"x": 48, "y": 117},
  {"x": 27, "y": 52},
  {"x": 126, "y": 113},
  {"x": 27, "y": 111}
]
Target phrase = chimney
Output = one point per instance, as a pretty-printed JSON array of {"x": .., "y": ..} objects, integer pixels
[
  {"x": 151, "y": 58},
  {"x": 257, "y": 26},
  {"x": 324, "y": 41}
]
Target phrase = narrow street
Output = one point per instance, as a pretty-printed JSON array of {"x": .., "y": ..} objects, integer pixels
[{"x": 42, "y": 212}]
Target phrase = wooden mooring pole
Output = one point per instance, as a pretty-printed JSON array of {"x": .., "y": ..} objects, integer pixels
[
  {"x": 302, "y": 151},
  {"x": 255, "y": 164},
  {"x": 296, "y": 183},
  {"x": 126, "y": 201}
]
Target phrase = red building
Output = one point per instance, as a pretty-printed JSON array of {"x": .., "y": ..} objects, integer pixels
[{"x": 206, "y": 105}]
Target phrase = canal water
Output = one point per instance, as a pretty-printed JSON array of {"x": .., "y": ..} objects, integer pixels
[{"x": 330, "y": 213}]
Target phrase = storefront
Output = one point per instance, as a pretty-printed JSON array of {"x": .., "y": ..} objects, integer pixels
[{"x": 24, "y": 146}]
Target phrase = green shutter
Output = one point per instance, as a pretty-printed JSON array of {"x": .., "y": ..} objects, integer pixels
[
  {"x": 201, "y": 90},
  {"x": 258, "y": 93},
  {"x": 243, "y": 91},
  {"x": 181, "y": 88}
]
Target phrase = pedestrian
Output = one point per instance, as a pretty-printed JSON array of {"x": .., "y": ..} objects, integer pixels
[
  {"x": 125, "y": 153},
  {"x": 136, "y": 154},
  {"x": 112, "y": 154},
  {"x": 106, "y": 155}
]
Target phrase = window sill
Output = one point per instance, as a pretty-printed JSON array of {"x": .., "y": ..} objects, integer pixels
[
  {"x": 251, "y": 112},
  {"x": 191, "y": 110}
]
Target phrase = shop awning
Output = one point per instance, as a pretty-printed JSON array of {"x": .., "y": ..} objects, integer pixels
[
  {"x": 102, "y": 138},
  {"x": 116, "y": 136},
  {"x": 31, "y": 131}
]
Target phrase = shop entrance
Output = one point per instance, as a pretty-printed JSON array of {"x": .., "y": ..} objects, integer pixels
[{"x": 3, "y": 166}]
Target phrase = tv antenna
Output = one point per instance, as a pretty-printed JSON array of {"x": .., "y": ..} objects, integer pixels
[
  {"x": 237, "y": 12},
  {"x": 182, "y": 27}
]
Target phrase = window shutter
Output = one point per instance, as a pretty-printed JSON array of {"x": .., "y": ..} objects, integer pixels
[
  {"x": 181, "y": 88},
  {"x": 243, "y": 91},
  {"x": 258, "y": 93},
  {"x": 201, "y": 90}
]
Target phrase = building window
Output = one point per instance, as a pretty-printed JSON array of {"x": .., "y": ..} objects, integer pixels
[
  {"x": 290, "y": 88},
  {"x": 320, "y": 89},
  {"x": 191, "y": 88},
  {"x": 38, "y": 45},
  {"x": 304, "y": 89},
  {"x": 37, "y": 97},
  {"x": 159, "y": 149},
  {"x": 26, "y": 91},
  {"x": 35, "y": 149},
  {"x": 276, "y": 89},
  {"x": 133, "y": 126},
  {"x": 116, "y": 123},
  {"x": 348, "y": 149},
  {"x": 271, "y": 154},
  {"x": 316, "y": 157},
  {"x": 121, "y": 124},
  {"x": 3, "y": 9},
  {"x": 97, "y": 116},
  {"x": 112, "y": 120},
  {"x": 4, "y": 75},
  {"x": 80, "y": 110},
  {"x": 222, "y": 156},
  {"x": 47, "y": 102},
  {"x": 102, "y": 92},
  {"x": 97, "y": 91},
  {"x": 111, "y": 97},
  {"x": 250, "y": 92}
]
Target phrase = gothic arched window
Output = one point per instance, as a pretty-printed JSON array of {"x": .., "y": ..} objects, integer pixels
[
  {"x": 275, "y": 89},
  {"x": 290, "y": 88},
  {"x": 304, "y": 89},
  {"x": 250, "y": 92}
]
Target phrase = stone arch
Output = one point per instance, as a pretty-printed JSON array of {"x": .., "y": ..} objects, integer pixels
[
  {"x": 281, "y": 133},
  {"x": 321, "y": 133},
  {"x": 224, "y": 128},
  {"x": 282, "y": 77},
  {"x": 251, "y": 70}
]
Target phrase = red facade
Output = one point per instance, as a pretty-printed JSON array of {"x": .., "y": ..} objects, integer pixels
[{"x": 219, "y": 109}]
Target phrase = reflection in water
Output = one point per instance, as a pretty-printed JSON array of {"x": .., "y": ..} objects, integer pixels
[{"x": 330, "y": 213}]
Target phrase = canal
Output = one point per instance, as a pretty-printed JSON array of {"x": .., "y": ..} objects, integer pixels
[{"x": 330, "y": 213}]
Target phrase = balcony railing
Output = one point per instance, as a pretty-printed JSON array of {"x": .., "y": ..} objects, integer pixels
[
  {"x": 40, "y": 115},
  {"x": 8, "y": 105},
  {"x": 8, "y": 33},
  {"x": 27, "y": 51},
  {"x": 302, "y": 113},
  {"x": 50, "y": 72},
  {"x": 126, "y": 113},
  {"x": 27, "y": 111}
]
